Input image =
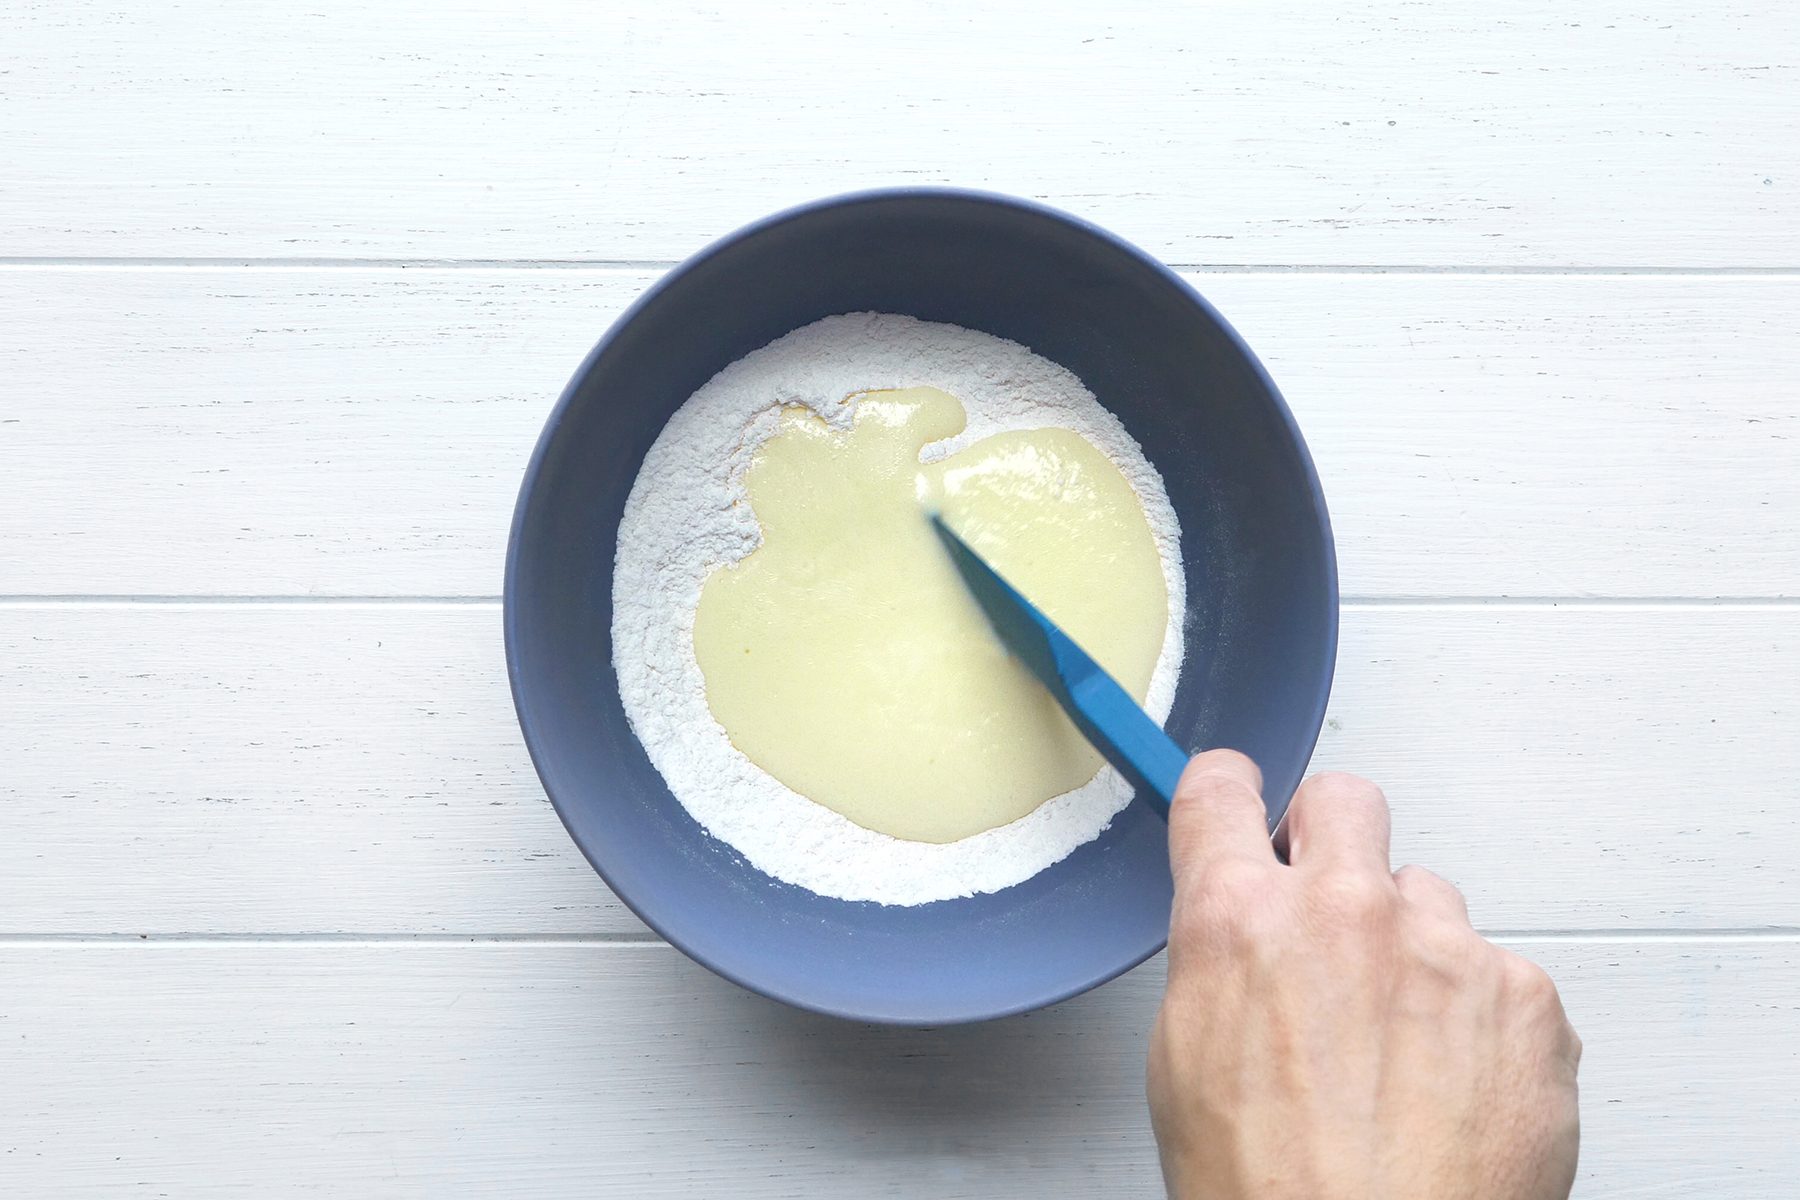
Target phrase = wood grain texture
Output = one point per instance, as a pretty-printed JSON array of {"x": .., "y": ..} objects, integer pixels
[
  {"x": 373, "y": 964},
  {"x": 362, "y": 432},
  {"x": 1378, "y": 131},
  {"x": 275, "y": 769},
  {"x": 299, "y": 768},
  {"x": 400, "y": 1071}
]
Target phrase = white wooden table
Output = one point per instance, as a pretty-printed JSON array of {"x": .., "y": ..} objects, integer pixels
[{"x": 289, "y": 288}]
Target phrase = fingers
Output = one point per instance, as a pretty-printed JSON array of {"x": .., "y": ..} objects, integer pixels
[
  {"x": 1218, "y": 813},
  {"x": 1341, "y": 821},
  {"x": 1431, "y": 893}
]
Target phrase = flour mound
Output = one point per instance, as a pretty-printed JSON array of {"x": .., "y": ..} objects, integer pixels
[{"x": 688, "y": 515}]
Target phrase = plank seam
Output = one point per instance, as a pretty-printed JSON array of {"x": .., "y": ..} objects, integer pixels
[
  {"x": 254, "y": 262},
  {"x": 1783, "y": 934},
  {"x": 27, "y": 600},
  {"x": 643, "y": 938}
]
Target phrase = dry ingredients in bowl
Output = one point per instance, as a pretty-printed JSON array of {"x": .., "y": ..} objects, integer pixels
[{"x": 688, "y": 515}]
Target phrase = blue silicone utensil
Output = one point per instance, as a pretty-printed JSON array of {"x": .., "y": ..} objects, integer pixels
[{"x": 1104, "y": 712}]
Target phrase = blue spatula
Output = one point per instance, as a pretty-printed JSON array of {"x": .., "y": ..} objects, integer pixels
[{"x": 1100, "y": 708}]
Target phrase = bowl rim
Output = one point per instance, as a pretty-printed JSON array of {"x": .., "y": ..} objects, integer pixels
[{"x": 552, "y": 424}]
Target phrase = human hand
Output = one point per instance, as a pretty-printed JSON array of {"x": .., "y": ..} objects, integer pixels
[{"x": 1332, "y": 1031}]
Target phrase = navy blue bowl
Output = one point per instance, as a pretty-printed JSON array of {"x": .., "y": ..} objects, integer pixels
[{"x": 1261, "y": 623}]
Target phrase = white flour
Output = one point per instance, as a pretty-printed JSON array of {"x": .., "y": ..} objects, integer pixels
[{"x": 688, "y": 515}]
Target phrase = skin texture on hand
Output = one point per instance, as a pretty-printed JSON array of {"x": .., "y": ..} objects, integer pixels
[{"x": 1334, "y": 1031}]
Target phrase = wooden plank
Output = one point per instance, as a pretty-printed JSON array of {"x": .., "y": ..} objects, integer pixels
[
  {"x": 1377, "y": 131},
  {"x": 323, "y": 767},
  {"x": 553, "y": 1070},
  {"x": 360, "y": 432},
  {"x": 262, "y": 768}
]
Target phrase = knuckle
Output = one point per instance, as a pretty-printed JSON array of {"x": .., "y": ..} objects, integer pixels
[
  {"x": 1340, "y": 798},
  {"x": 1341, "y": 787},
  {"x": 1353, "y": 897},
  {"x": 1416, "y": 876},
  {"x": 1216, "y": 791},
  {"x": 1434, "y": 967},
  {"x": 1528, "y": 981},
  {"x": 1417, "y": 881},
  {"x": 1442, "y": 944}
]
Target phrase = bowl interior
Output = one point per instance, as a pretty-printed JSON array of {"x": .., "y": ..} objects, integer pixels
[{"x": 1262, "y": 599}]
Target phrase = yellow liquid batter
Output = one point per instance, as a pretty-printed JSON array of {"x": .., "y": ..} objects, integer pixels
[{"x": 844, "y": 655}]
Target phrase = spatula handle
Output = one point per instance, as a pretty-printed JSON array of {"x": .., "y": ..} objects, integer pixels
[{"x": 1149, "y": 758}]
